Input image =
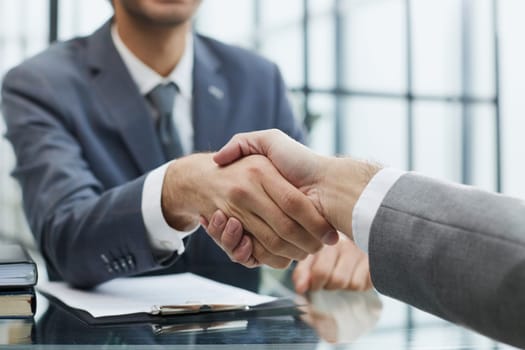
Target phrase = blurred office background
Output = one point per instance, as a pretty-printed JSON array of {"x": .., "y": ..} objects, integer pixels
[{"x": 436, "y": 86}]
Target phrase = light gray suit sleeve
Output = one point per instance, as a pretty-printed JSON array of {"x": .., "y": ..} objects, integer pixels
[{"x": 454, "y": 251}]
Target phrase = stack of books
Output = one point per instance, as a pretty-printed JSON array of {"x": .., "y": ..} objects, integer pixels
[{"x": 18, "y": 276}]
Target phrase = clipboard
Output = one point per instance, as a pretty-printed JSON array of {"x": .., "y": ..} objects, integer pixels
[
  {"x": 276, "y": 308},
  {"x": 161, "y": 299}
]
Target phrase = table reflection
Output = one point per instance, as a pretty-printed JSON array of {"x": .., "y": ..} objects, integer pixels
[
  {"x": 332, "y": 316},
  {"x": 16, "y": 331},
  {"x": 342, "y": 317},
  {"x": 58, "y": 326},
  {"x": 326, "y": 320}
]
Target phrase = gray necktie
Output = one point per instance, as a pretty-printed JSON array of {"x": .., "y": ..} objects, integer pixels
[{"x": 162, "y": 97}]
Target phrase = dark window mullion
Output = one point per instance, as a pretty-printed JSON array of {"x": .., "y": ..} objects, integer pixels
[
  {"x": 497, "y": 99},
  {"x": 53, "y": 21}
]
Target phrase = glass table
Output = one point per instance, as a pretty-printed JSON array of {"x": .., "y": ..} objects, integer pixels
[{"x": 328, "y": 320}]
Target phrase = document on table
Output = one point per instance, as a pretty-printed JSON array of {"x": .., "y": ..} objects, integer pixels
[{"x": 156, "y": 295}]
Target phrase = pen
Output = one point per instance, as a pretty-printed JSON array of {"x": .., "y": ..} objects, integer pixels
[{"x": 165, "y": 310}]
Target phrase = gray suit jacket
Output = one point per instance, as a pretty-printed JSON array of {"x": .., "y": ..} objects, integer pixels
[
  {"x": 84, "y": 140},
  {"x": 454, "y": 251}
]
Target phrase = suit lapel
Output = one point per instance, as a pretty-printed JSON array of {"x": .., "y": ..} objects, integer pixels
[
  {"x": 122, "y": 100},
  {"x": 210, "y": 100}
]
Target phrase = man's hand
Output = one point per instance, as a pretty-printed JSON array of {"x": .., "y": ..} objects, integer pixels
[
  {"x": 282, "y": 221},
  {"x": 343, "y": 266},
  {"x": 333, "y": 184}
]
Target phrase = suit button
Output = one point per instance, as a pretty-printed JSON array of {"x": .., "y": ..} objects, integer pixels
[
  {"x": 115, "y": 265},
  {"x": 123, "y": 264},
  {"x": 105, "y": 259},
  {"x": 131, "y": 261}
]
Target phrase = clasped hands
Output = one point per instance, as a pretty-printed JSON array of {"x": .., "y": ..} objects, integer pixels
[{"x": 266, "y": 199}]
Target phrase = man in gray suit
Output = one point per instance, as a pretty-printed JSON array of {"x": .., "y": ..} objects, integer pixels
[
  {"x": 452, "y": 250},
  {"x": 96, "y": 122}
]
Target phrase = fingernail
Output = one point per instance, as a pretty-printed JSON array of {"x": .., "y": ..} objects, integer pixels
[
  {"x": 218, "y": 219},
  {"x": 331, "y": 238},
  {"x": 244, "y": 242}
]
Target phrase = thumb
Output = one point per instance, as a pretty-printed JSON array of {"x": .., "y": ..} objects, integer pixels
[
  {"x": 245, "y": 144},
  {"x": 232, "y": 151}
]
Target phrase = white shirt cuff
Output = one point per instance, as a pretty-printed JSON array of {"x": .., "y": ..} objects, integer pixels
[
  {"x": 163, "y": 238},
  {"x": 368, "y": 204}
]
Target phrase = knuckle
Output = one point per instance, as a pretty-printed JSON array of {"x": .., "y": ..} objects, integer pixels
[
  {"x": 314, "y": 246},
  {"x": 275, "y": 132},
  {"x": 357, "y": 284},
  {"x": 319, "y": 274},
  {"x": 260, "y": 253},
  {"x": 301, "y": 256},
  {"x": 237, "y": 193},
  {"x": 275, "y": 244},
  {"x": 288, "y": 227},
  {"x": 290, "y": 201},
  {"x": 256, "y": 166},
  {"x": 337, "y": 282}
]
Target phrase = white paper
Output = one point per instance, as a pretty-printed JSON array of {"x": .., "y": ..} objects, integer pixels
[{"x": 124, "y": 296}]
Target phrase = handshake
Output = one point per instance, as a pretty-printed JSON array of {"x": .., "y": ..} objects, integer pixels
[{"x": 266, "y": 199}]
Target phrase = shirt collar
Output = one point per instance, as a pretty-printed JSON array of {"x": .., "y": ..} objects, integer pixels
[{"x": 147, "y": 79}]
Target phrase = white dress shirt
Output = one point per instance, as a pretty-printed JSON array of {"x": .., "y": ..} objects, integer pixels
[
  {"x": 164, "y": 239},
  {"x": 368, "y": 204}
]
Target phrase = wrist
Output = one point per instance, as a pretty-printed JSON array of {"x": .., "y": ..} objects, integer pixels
[
  {"x": 177, "y": 206},
  {"x": 341, "y": 186}
]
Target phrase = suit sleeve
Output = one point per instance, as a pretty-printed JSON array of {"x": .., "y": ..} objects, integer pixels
[
  {"x": 87, "y": 234},
  {"x": 284, "y": 116},
  {"x": 454, "y": 251}
]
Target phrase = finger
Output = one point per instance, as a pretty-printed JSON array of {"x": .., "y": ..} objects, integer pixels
[
  {"x": 216, "y": 226},
  {"x": 270, "y": 226},
  {"x": 302, "y": 274},
  {"x": 243, "y": 252},
  {"x": 361, "y": 279},
  {"x": 252, "y": 262},
  {"x": 308, "y": 227},
  {"x": 231, "y": 235},
  {"x": 349, "y": 257},
  {"x": 323, "y": 267},
  {"x": 228, "y": 235},
  {"x": 262, "y": 256}
]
